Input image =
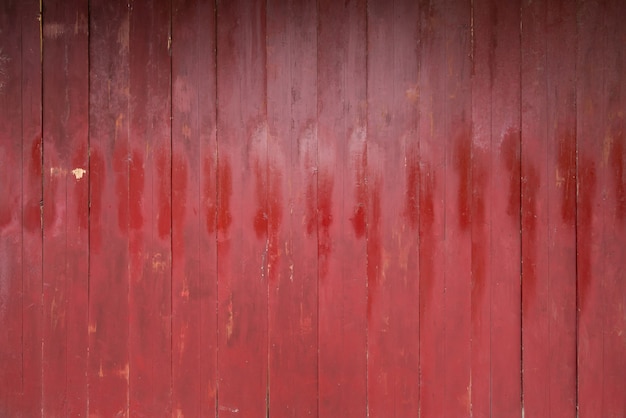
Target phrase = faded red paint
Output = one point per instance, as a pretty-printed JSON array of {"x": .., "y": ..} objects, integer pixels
[
  {"x": 325, "y": 219},
  {"x": 586, "y": 195},
  {"x": 510, "y": 154},
  {"x": 617, "y": 169},
  {"x": 463, "y": 166},
  {"x": 531, "y": 183},
  {"x": 209, "y": 195},
  {"x": 224, "y": 193},
  {"x": 358, "y": 218},
  {"x": 566, "y": 176},
  {"x": 136, "y": 182},
  {"x": 411, "y": 202},
  {"x": 163, "y": 173}
]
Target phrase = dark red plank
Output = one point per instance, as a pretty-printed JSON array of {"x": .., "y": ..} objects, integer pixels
[
  {"x": 194, "y": 204},
  {"x": 393, "y": 211},
  {"x": 505, "y": 212},
  {"x": 292, "y": 246},
  {"x": 109, "y": 205},
  {"x": 457, "y": 126},
  {"x": 548, "y": 209},
  {"x": 482, "y": 274},
  {"x": 150, "y": 284},
  {"x": 242, "y": 220},
  {"x": 11, "y": 210},
  {"x": 32, "y": 195},
  {"x": 342, "y": 114},
  {"x": 432, "y": 143},
  {"x": 65, "y": 212}
]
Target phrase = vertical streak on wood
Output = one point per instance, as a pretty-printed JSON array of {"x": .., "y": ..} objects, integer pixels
[
  {"x": 393, "y": 209},
  {"x": 506, "y": 240},
  {"x": 150, "y": 209},
  {"x": 66, "y": 180},
  {"x": 32, "y": 195},
  {"x": 457, "y": 216},
  {"x": 194, "y": 209},
  {"x": 242, "y": 209},
  {"x": 341, "y": 207},
  {"x": 590, "y": 130},
  {"x": 292, "y": 246},
  {"x": 432, "y": 99},
  {"x": 482, "y": 196},
  {"x": 109, "y": 208},
  {"x": 548, "y": 209},
  {"x": 12, "y": 246}
]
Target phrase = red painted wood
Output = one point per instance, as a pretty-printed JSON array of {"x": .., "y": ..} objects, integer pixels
[
  {"x": 548, "y": 210},
  {"x": 393, "y": 209},
  {"x": 292, "y": 202},
  {"x": 194, "y": 210},
  {"x": 242, "y": 220},
  {"x": 11, "y": 211},
  {"x": 150, "y": 351},
  {"x": 481, "y": 211},
  {"x": 342, "y": 199},
  {"x": 432, "y": 142},
  {"x": 457, "y": 125},
  {"x": 65, "y": 210},
  {"x": 505, "y": 216},
  {"x": 109, "y": 208},
  {"x": 32, "y": 195}
]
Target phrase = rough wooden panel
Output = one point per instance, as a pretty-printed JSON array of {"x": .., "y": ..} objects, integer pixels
[
  {"x": 292, "y": 200},
  {"x": 150, "y": 353},
  {"x": 109, "y": 205},
  {"x": 194, "y": 209},
  {"x": 65, "y": 208},
  {"x": 243, "y": 216},
  {"x": 393, "y": 209},
  {"x": 342, "y": 112}
]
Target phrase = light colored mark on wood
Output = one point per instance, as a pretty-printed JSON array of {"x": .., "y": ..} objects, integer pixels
[
  {"x": 229, "y": 409},
  {"x": 58, "y": 171},
  {"x": 158, "y": 263},
  {"x": 53, "y": 30},
  {"x": 79, "y": 173},
  {"x": 412, "y": 94}
]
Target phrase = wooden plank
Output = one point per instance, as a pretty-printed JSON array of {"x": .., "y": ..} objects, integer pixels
[
  {"x": 505, "y": 215},
  {"x": 11, "y": 210},
  {"x": 242, "y": 219},
  {"x": 292, "y": 200},
  {"x": 548, "y": 210},
  {"x": 150, "y": 352},
  {"x": 482, "y": 170},
  {"x": 613, "y": 183},
  {"x": 457, "y": 126},
  {"x": 65, "y": 213},
  {"x": 393, "y": 209},
  {"x": 590, "y": 129},
  {"x": 341, "y": 206},
  {"x": 109, "y": 206},
  {"x": 194, "y": 204},
  {"x": 32, "y": 195},
  {"x": 432, "y": 142}
]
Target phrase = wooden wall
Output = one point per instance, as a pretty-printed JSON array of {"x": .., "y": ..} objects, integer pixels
[{"x": 289, "y": 208}]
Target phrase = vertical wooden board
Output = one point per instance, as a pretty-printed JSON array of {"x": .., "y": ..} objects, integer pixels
[
  {"x": 590, "y": 130},
  {"x": 194, "y": 203},
  {"x": 109, "y": 206},
  {"x": 292, "y": 199},
  {"x": 432, "y": 142},
  {"x": 457, "y": 126},
  {"x": 11, "y": 203},
  {"x": 341, "y": 208},
  {"x": 393, "y": 209},
  {"x": 242, "y": 219},
  {"x": 65, "y": 213},
  {"x": 505, "y": 215},
  {"x": 150, "y": 353},
  {"x": 482, "y": 274},
  {"x": 32, "y": 195},
  {"x": 614, "y": 206},
  {"x": 548, "y": 210},
  {"x": 536, "y": 203}
]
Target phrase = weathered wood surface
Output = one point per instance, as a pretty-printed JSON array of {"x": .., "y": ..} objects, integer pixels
[{"x": 382, "y": 208}]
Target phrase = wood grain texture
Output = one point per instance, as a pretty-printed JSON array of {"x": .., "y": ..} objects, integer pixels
[
  {"x": 393, "y": 209},
  {"x": 292, "y": 269},
  {"x": 341, "y": 159},
  {"x": 243, "y": 216},
  {"x": 109, "y": 160},
  {"x": 194, "y": 209},
  {"x": 65, "y": 211}
]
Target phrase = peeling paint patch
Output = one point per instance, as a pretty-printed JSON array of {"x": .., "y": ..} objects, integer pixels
[{"x": 79, "y": 173}]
